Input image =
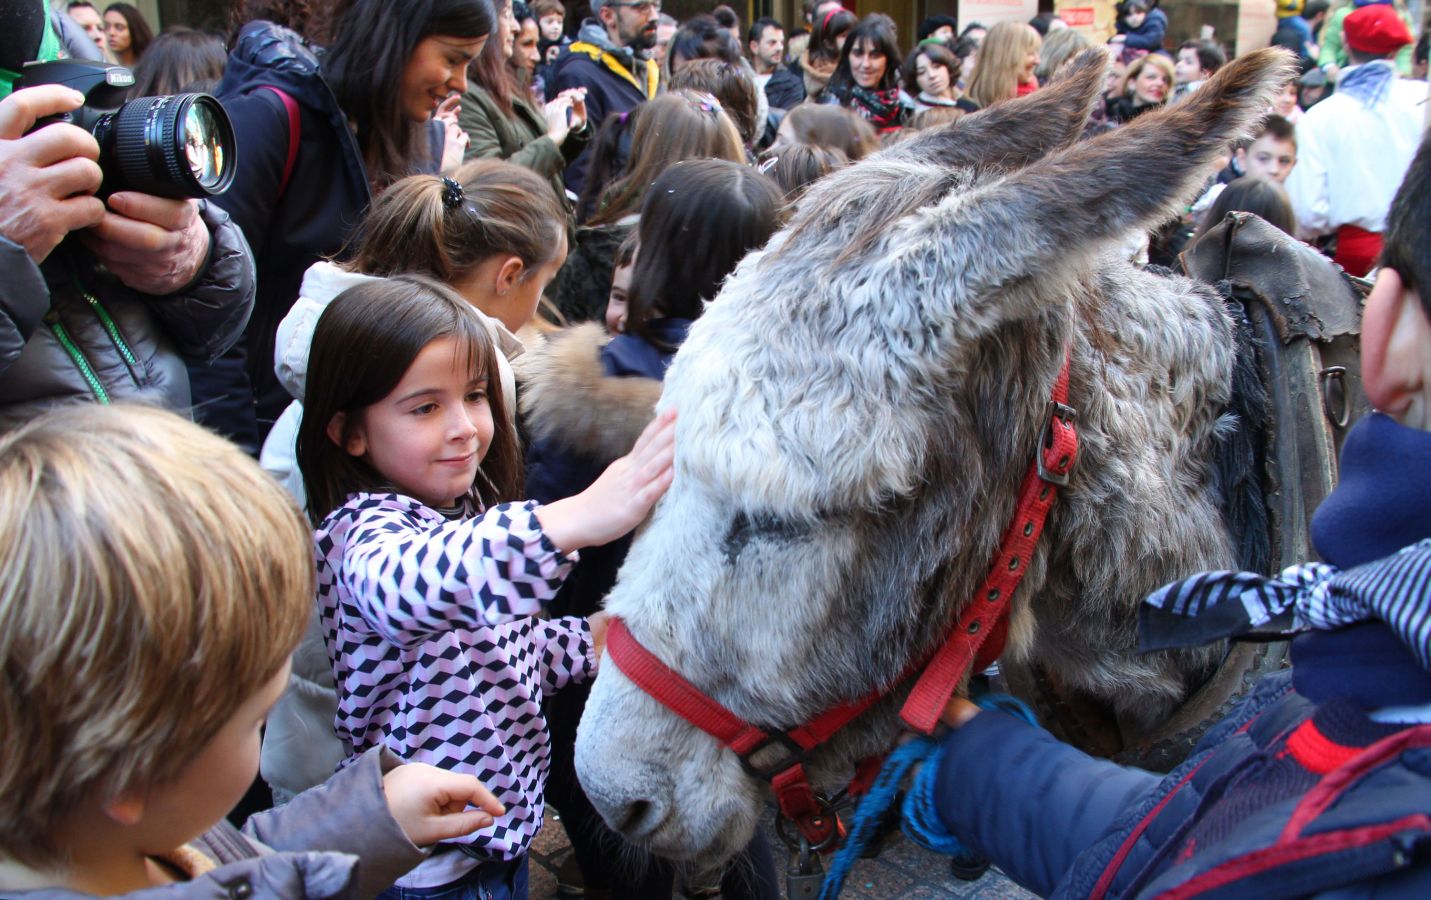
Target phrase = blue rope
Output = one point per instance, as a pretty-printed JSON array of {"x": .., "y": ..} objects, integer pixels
[{"x": 921, "y": 819}]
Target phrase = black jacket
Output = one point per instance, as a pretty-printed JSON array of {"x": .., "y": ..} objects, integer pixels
[
  {"x": 323, "y": 202},
  {"x": 71, "y": 331},
  {"x": 610, "y": 76},
  {"x": 785, "y": 89}
]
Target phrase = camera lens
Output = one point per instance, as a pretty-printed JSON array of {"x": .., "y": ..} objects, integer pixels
[{"x": 175, "y": 146}]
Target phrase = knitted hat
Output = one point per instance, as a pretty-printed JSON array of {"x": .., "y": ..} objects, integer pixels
[{"x": 1376, "y": 29}]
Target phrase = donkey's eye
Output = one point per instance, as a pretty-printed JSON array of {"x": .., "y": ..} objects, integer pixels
[{"x": 746, "y": 527}]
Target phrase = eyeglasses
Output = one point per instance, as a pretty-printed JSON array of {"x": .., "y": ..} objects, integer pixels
[{"x": 643, "y": 7}]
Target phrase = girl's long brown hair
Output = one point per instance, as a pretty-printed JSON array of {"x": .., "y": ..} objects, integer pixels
[
  {"x": 362, "y": 346},
  {"x": 674, "y": 126}
]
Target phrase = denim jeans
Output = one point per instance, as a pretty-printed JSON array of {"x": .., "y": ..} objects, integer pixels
[{"x": 501, "y": 880}]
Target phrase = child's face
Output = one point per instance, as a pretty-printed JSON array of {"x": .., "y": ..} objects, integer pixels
[
  {"x": 550, "y": 25},
  {"x": 1269, "y": 158},
  {"x": 616, "y": 302},
  {"x": 1188, "y": 69},
  {"x": 1285, "y": 103},
  {"x": 1134, "y": 18},
  {"x": 178, "y": 811},
  {"x": 429, "y": 434}
]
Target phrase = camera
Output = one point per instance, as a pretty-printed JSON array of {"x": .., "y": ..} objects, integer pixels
[{"x": 175, "y": 146}]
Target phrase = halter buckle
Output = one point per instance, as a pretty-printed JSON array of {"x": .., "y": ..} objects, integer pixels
[
  {"x": 793, "y": 755},
  {"x": 1060, "y": 470}
]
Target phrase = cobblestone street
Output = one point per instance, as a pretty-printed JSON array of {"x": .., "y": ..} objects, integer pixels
[{"x": 901, "y": 871}]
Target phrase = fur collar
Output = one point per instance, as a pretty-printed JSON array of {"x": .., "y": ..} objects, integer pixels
[{"x": 568, "y": 398}]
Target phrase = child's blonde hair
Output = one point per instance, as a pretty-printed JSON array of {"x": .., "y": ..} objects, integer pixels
[{"x": 155, "y": 579}]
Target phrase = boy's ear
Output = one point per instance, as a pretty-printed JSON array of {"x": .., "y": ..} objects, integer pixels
[
  {"x": 1395, "y": 348},
  {"x": 354, "y": 444},
  {"x": 127, "y": 809}
]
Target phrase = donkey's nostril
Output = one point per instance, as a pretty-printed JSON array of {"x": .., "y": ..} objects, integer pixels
[{"x": 641, "y": 817}]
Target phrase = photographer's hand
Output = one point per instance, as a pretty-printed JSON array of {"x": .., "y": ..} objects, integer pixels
[
  {"x": 46, "y": 178},
  {"x": 154, "y": 245}
]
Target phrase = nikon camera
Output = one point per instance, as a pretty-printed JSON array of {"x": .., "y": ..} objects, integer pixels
[{"x": 177, "y": 146}]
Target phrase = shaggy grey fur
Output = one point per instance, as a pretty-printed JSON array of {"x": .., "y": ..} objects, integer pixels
[{"x": 857, "y": 409}]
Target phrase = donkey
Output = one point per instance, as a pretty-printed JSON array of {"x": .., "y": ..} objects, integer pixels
[{"x": 858, "y": 407}]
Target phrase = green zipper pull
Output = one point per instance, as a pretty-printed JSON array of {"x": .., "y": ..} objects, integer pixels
[{"x": 77, "y": 356}]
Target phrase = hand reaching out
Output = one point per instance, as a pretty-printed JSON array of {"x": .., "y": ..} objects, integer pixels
[
  {"x": 621, "y": 497},
  {"x": 455, "y": 139},
  {"x": 431, "y": 804}
]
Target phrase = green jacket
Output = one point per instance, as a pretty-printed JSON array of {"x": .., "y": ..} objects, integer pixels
[{"x": 520, "y": 139}]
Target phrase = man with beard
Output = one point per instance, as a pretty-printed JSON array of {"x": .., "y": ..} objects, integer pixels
[{"x": 609, "y": 59}]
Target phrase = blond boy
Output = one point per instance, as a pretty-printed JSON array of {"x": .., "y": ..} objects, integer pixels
[{"x": 156, "y": 582}]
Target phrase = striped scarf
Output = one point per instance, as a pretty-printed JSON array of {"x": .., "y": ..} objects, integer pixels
[{"x": 1395, "y": 590}]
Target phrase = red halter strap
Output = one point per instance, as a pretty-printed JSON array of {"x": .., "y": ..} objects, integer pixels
[{"x": 976, "y": 640}]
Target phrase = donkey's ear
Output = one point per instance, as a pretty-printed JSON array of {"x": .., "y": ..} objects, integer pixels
[
  {"x": 1010, "y": 135},
  {"x": 1077, "y": 199}
]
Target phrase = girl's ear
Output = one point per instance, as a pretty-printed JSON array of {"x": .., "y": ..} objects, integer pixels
[
  {"x": 1395, "y": 347},
  {"x": 508, "y": 274},
  {"x": 354, "y": 444}
]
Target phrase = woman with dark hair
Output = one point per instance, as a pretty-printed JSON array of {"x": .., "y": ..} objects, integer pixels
[
  {"x": 502, "y": 123},
  {"x": 1259, "y": 196},
  {"x": 180, "y": 60},
  {"x": 322, "y": 136},
  {"x": 700, "y": 37},
  {"x": 931, "y": 77},
  {"x": 866, "y": 79},
  {"x": 526, "y": 55},
  {"x": 726, "y": 210},
  {"x": 127, "y": 33},
  {"x": 822, "y": 54}
]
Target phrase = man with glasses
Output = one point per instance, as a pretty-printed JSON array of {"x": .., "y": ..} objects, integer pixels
[{"x": 610, "y": 59}]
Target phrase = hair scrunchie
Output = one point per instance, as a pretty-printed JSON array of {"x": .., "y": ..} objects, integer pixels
[{"x": 452, "y": 194}]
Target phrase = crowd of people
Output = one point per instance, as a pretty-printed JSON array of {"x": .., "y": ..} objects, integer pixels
[{"x": 450, "y": 220}]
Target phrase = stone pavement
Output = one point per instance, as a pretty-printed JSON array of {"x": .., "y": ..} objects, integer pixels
[{"x": 901, "y": 871}]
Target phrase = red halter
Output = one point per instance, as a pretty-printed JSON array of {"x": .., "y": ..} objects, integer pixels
[{"x": 974, "y": 642}]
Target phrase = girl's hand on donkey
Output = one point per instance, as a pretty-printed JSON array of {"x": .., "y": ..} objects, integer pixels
[
  {"x": 432, "y": 804},
  {"x": 620, "y": 499}
]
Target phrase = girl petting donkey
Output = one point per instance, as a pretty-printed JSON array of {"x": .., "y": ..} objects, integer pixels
[{"x": 430, "y": 568}]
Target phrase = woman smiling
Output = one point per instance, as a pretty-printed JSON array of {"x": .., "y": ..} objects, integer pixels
[{"x": 866, "y": 79}]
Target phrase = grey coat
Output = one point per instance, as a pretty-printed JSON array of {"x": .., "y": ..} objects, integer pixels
[
  {"x": 309, "y": 848},
  {"x": 71, "y": 331}
]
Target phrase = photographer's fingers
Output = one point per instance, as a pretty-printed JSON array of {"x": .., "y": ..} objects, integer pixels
[
  {"x": 57, "y": 143},
  {"x": 161, "y": 212},
  {"x": 21, "y": 110},
  {"x": 72, "y": 177}
]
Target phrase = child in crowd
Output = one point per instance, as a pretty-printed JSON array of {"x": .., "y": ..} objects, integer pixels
[
  {"x": 551, "y": 19},
  {"x": 1141, "y": 26},
  {"x": 155, "y": 583},
  {"x": 1196, "y": 63},
  {"x": 1317, "y": 783},
  {"x": 620, "y": 286},
  {"x": 497, "y": 237},
  {"x": 584, "y": 397},
  {"x": 496, "y": 234},
  {"x": 429, "y": 575},
  {"x": 1270, "y": 154}
]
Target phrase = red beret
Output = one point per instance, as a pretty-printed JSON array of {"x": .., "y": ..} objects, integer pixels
[{"x": 1376, "y": 29}]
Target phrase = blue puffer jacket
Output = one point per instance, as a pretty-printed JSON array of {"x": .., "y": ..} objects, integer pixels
[{"x": 1066, "y": 825}]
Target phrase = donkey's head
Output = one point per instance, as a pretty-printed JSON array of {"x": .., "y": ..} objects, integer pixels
[{"x": 858, "y": 406}]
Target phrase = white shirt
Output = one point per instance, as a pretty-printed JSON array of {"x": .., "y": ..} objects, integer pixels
[{"x": 1351, "y": 159}]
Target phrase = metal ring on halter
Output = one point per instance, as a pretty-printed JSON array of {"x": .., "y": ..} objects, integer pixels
[
  {"x": 790, "y": 834},
  {"x": 1335, "y": 376}
]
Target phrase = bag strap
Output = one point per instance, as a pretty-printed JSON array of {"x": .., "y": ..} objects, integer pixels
[{"x": 295, "y": 125}]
